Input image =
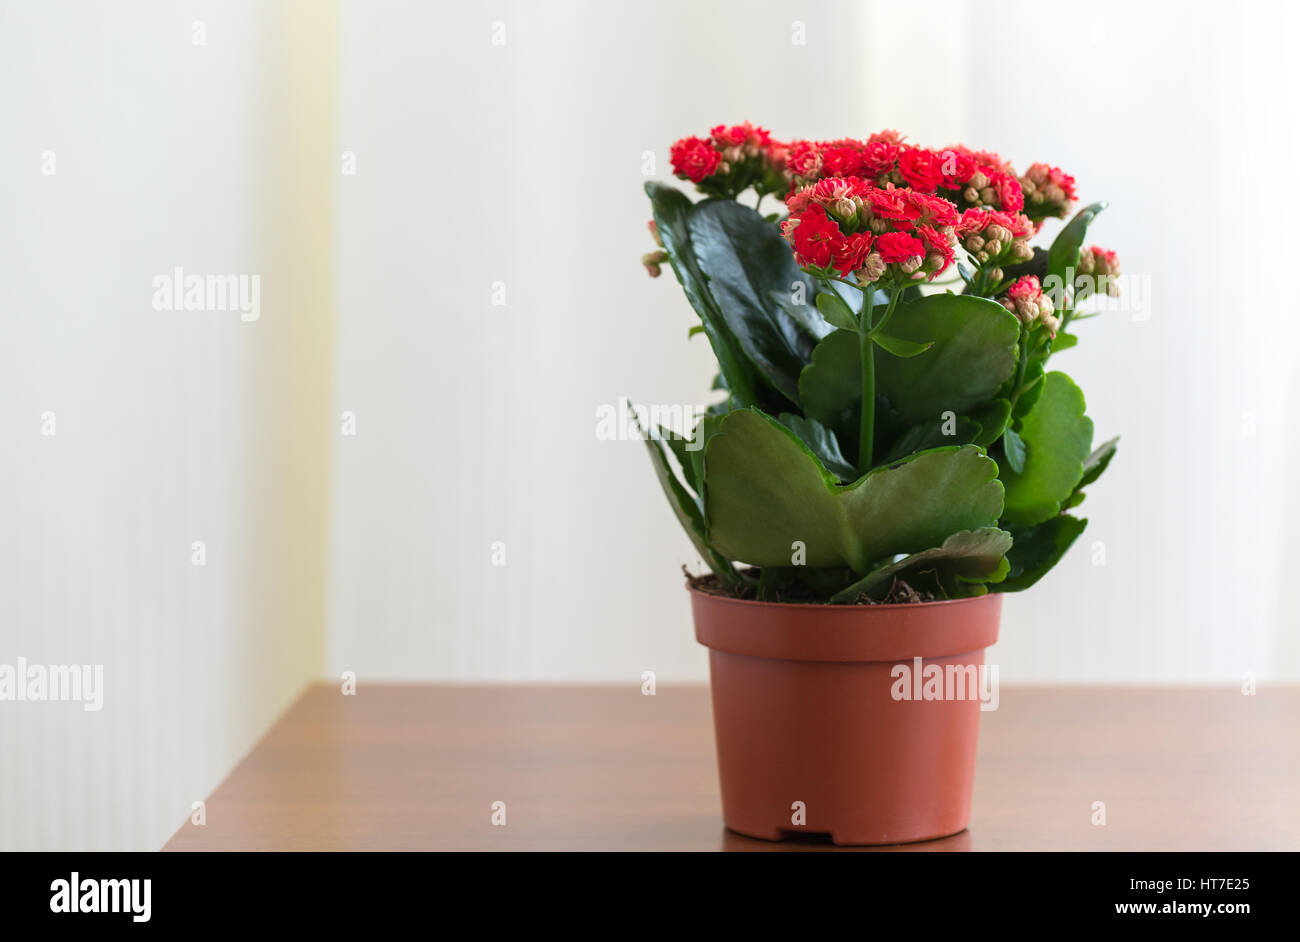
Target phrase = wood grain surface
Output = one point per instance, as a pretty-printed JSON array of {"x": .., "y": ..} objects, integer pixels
[{"x": 604, "y": 768}]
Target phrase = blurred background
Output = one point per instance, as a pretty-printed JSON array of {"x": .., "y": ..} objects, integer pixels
[{"x": 395, "y": 471}]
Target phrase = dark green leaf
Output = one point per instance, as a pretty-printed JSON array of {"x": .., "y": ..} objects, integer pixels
[
  {"x": 1037, "y": 549},
  {"x": 975, "y": 352},
  {"x": 1014, "y": 446},
  {"x": 821, "y": 442},
  {"x": 671, "y": 209},
  {"x": 957, "y": 430},
  {"x": 687, "y": 510},
  {"x": 752, "y": 277},
  {"x": 992, "y": 419},
  {"x": 831, "y": 384}
]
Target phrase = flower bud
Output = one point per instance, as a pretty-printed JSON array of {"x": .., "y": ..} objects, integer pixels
[
  {"x": 993, "y": 246},
  {"x": 978, "y": 181},
  {"x": 971, "y": 195},
  {"x": 1087, "y": 262},
  {"x": 844, "y": 209},
  {"x": 987, "y": 196},
  {"x": 910, "y": 265},
  {"x": 1000, "y": 233},
  {"x": 654, "y": 234},
  {"x": 1021, "y": 250},
  {"x": 652, "y": 261},
  {"x": 974, "y": 243},
  {"x": 872, "y": 268},
  {"x": 995, "y": 274},
  {"x": 933, "y": 262}
]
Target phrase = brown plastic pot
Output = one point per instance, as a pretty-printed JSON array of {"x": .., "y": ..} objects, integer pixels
[{"x": 804, "y": 710}]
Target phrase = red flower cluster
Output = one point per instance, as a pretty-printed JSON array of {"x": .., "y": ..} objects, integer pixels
[
  {"x": 1048, "y": 190},
  {"x": 1026, "y": 300},
  {"x": 1097, "y": 270},
  {"x": 697, "y": 159},
  {"x": 963, "y": 176},
  {"x": 991, "y": 236},
  {"x": 849, "y": 225},
  {"x": 694, "y": 159}
]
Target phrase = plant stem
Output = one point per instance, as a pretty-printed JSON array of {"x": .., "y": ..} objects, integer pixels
[{"x": 867, "y": 358}]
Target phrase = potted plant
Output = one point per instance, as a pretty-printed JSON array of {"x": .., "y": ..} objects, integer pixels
[{"x": 889, "y": 454}]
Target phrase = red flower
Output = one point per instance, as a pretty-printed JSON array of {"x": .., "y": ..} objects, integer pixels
[
  {"x": 694, "y": 159},
  {"x": 899, "y": 247},
  {"x": 850, "y": 256},
  {"x": 893, "y": 205},
  {"x": 839, "y": 160},
  {"x": 956, "y": 167},
  {"x": 804, "y": 159},
  {"x": 817, "y": 239},
  {"x": 932, "y": 210},
  {"x": 1007, "y": 188},
  {"x": 1025, "y": 289},
  {"x": 974, "y": 221},
  {"x": 938, "y": 244},
  {"x": 738, "y": 135},
  {"x": 921, "y": 168},
  {"x": 878, "y": 157}
]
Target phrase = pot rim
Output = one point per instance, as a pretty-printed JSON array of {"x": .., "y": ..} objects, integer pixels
[
  {"x": 794, "y": 631},
  {"x": 826, "y": 606}
]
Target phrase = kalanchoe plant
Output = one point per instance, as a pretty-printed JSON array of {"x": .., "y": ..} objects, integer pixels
[{"x": 890, "y": 428}]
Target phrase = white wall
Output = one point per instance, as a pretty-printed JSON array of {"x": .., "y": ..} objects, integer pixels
[
  {"x": 170, "y": 427},
  {"x": 522, "y": 163}
]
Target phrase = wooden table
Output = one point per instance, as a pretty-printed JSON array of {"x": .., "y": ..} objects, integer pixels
[{"x": 604, "y": 768}]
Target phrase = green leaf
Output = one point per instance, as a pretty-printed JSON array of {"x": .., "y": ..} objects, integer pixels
[
  {"x": 821, "y": 442},
  {"x": 1098, "y": 461},
  {"x": 1031, "y": 387},
  {"x": 976, "y": 346},
  {"x": 765, "y": 490},
  {"x": 969, "y": 555},
  {"x": 705, "y": 429},
  {"x": 1037, "y": 549},
  {"x": 831, "y": 383},
  {"x": 992, "y": 419},
  {"x": 1062, "y": 341},
  {"x": 938, "y": 432},
  {"x": 1014, "y": 446},
  {"x": 682, "y": 449},
  {"x": 1063, "y": 256},
  {"x": 671, "y": 209},
  {"x": 687, "y": 510},
  {"x": 900, "y": 347},
  {"x": 752, "y": 276},
  {"x": 1058, "y": 437},
  {"x": 836, "y": 311}
]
